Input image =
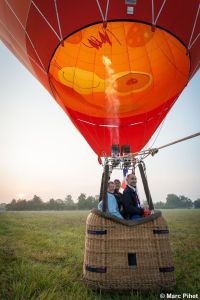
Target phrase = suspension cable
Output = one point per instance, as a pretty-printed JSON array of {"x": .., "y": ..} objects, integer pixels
[
  {"x": 104, "y": 17},
  {"x": 180, "y": 140},
  {"x": 152, "y": 151},
  {"x": 154, "y": 20},
  {"x": 193, "y": 29}
]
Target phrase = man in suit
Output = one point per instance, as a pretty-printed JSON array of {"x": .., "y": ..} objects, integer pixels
[{"x": 131, "y": 202}]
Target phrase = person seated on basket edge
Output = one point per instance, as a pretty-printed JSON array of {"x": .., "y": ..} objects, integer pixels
[
  {"x": 131, "y": 202},
  {"x": 119, "y": 196},
  {"x": 112, "y": 206}
]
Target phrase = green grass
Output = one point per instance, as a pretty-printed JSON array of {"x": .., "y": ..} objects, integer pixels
[{"x": 41, "y": 255}]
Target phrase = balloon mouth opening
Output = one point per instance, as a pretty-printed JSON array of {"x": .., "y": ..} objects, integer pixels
[{"x": 115, "y": 71}]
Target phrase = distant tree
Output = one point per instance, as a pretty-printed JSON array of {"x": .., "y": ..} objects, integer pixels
[
  {"x": 90, "y": 202},
  {"x": 51, "y": 204},
  {"x": 197, "y": 203},
  {"x": 82, "y": 201},
  {"x": 13, "y": 202},
  {"x": 51, "y": 201},
  {"x": 20, "y": 204},
  {"x": 11, "y": 205},
  {"x": 59, "y": 203},
  {"x": 87, "y": 202},
  {"x": 159, "y": 205},
  {"x": 36, "y": 203},
  {"x": 69, "y": 200},
  {"x": 185, "y": 202},
  {"x": 173, "y": 201},
  {"x": 2, "y": 206},
  {"x": 69, "y": 203}
]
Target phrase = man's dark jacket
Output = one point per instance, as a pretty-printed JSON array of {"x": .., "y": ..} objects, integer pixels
[
  {"x": 119, "y": 198},
  {"x": 131, "y": 203}
]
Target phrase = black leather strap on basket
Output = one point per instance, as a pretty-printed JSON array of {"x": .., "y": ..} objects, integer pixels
[
  {"x": 95, "y": 269},
  {"x": 97, "y": 232}
]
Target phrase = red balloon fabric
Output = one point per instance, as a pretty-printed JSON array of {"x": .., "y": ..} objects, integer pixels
[{"x": 116, "y": 67}]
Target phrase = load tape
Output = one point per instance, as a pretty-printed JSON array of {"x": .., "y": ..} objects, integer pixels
[
  {"x": 160, "y": 231},
  {"x": 95, "y": 269},
  {"x": 100, "y": 232}
]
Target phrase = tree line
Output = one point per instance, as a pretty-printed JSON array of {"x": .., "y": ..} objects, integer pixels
[
  {"x": 174, "y": 201},
  {"x": 87, "y": 203},
  {"x": 68, "y": 203}
]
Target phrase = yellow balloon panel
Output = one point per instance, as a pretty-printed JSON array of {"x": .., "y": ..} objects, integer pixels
[{"x": 123, "y": 70}]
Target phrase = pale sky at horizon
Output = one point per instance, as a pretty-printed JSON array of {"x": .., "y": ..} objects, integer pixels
[{"x": 42, "y": 153}]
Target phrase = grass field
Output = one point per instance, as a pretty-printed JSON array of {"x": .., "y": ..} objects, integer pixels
[{"x": 41, "y": 255}]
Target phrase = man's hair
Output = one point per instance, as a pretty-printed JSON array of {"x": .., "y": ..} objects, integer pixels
[
  {"x": 117, "y": 180},
  {"x": 129, "y": 175},
  {"x": 110, "y": 182}
]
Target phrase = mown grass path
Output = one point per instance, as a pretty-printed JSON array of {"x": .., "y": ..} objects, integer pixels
[{"x": 41, "y": 255}]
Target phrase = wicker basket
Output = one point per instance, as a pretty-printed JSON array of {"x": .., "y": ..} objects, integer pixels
[{"x": 127, "y": 255}]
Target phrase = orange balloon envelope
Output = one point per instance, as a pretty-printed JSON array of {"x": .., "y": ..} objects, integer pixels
[{"x": 116, "y": 82}]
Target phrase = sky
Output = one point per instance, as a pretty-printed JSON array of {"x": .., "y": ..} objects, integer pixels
[{"x": 42, "y": 153}]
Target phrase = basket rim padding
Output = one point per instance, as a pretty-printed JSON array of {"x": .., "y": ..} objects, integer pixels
[{"x": 131, "y": 223}]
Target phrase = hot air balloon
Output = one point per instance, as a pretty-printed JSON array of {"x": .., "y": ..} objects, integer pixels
[
  {"x": 116, "y": 82},
  {"x": 116, "y": 67}
]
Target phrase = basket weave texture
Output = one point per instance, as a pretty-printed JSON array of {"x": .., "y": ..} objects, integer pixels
[{"x": 127, "y": 255}]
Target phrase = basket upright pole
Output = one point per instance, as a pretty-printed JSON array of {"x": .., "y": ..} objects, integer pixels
[
  {"x": 146, "y": 186},
  {"x": 101, "y": 188},
  {"x": 105, "y": 179}
]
